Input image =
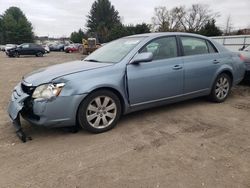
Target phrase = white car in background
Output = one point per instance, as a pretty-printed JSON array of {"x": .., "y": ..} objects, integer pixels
[
  {"x": 9, "y": 46},
  {"x": 2, "y": 47},
  {"x": 46, "y": 48}
]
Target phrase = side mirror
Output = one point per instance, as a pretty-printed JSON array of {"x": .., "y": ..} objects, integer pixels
[{"x": 142, "y": 58}]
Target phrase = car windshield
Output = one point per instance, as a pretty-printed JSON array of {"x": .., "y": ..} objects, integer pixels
[{"x": 114, "y": 51}]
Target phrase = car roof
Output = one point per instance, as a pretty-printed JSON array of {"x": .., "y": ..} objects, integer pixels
[
  {"x": 159, "y": 34},
  {"x": 150, "y": 36}
]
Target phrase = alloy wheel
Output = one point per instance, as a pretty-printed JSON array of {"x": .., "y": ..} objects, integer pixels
[
  {"x": 222, "y": 88},
  {"x": 101, "y": 112}
]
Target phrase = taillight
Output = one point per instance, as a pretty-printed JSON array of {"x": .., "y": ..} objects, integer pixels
[{"x": 242, "y": 57}]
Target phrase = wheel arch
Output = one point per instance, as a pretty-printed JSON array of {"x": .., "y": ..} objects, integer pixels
[
  {"x": 225, "y": 70},
  {"x": 115, "y": 91},
  {"x": 229, "y": 73}
]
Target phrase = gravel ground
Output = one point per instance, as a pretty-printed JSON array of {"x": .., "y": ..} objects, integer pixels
[{"x": 190, "y": 144}]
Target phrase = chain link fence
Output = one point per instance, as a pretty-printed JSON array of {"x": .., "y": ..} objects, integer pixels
[{"x": 233, "y": 42}]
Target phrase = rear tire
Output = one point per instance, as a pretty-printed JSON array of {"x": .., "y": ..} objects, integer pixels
[
  {"x": 99, "y": 111},
  {"x": 221, "y": 88},
  {"x": 39, "y": 54}
]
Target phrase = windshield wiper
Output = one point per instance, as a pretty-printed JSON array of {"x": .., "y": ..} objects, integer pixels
[{"x": 91, "y": 60}]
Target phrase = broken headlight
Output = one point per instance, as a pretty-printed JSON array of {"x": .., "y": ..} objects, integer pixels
[{"x": 47, "y": 91}]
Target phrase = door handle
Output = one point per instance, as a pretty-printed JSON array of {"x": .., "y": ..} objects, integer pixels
[
  {"x": 177, "y": 67},
  {"x": 216, "y": 61}
]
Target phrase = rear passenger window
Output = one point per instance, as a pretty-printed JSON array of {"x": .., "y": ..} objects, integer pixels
[
  {"x": 194, "y": 46},
  {"x": 211, "y": 48},
  {"x": 162, "y": 48}
]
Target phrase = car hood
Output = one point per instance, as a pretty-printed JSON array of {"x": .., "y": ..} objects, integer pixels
[{"x": 46, "y": 75}]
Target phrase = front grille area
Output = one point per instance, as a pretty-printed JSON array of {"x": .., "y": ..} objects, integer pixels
[
  {"x": 27, "y": 110},
  {"x": 27, "y": 89}
]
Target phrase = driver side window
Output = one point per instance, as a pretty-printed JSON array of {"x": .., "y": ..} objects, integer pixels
[{"x": 162, "y": 48}]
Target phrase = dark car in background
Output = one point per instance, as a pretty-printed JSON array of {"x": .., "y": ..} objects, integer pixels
[
  {"x": 57, "y": 47},
  {"x": 26, "y": 49}
]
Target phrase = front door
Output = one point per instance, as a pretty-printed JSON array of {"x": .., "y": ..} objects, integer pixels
[
  {"x": 159, "y": 79},
  {"x": 25, "y": 49}
]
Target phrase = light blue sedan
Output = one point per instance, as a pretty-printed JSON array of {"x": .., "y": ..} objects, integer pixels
[{"x": 128, "y": 74}]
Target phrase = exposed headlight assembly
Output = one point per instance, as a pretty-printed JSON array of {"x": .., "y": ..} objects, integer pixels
[{"x": 47, "y": 91}]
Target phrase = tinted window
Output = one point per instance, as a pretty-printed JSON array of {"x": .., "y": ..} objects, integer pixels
[
  {"x": 194, "y": 46},
  {"x": 25, "y": 46},
  {"x": 33, "y": 45},
  {"x": 162, "y": 48}
]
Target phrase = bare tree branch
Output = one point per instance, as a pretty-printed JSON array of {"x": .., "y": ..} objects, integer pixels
[{"x": 182, "y": 19}]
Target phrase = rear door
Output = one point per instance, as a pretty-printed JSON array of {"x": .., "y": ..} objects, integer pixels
[
  {"x": 201, "y": 60},
  {"x": 33, "y": 49},
  {"x": 159, "y": 79}
]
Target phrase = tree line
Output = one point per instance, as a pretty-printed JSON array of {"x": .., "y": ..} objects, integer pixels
[
  {"x": 15, "y": 27},
  {"x": 104, "y": 23}
]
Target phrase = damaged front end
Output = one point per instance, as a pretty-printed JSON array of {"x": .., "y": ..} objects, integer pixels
[
  {"x": 43, "y": 105},
  {"x": 30, "y": 102},
  {"x": 21, "y": 95}
]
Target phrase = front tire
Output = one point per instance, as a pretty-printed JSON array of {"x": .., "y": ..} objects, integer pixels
[
  {"x": 16, "y": 54},
  {"x": 99, "y": 111},
  {"x": 221, "y": 88}
]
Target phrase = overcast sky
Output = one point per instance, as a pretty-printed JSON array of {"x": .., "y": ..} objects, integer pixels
[{"x": 60, "y": 17}]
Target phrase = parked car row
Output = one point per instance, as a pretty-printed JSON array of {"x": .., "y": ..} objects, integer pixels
[
  {"x": 57, "y": 47},
  {"x": 13, "y": 50}
]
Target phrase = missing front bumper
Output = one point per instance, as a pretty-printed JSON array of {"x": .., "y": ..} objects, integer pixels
[{"x": 19, "y": 131}]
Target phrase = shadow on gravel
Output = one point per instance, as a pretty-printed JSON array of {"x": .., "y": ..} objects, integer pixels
[{"x": 164, "y": 108}]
